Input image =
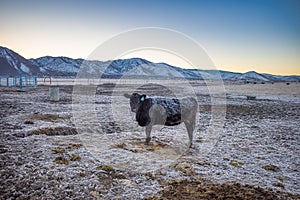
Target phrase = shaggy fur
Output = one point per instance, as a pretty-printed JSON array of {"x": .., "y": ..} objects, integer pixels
[{"x": 164, "y": 111}]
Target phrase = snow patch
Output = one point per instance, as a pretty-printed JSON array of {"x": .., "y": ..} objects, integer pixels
[{"x": 24, "y": 68}]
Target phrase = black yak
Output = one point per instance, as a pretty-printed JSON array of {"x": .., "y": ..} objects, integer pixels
[{"x": 164, "y": 111}]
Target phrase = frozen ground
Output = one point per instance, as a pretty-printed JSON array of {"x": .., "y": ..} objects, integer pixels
[{"x": 93, "y": 148}]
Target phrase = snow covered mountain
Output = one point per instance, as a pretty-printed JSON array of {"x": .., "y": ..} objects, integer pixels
[
  {"x": 253, "y": 76},
  {"x": 282, "y": 78},
  {"x": 12, "y": 64},
  {"x": 58, "y": 66}
]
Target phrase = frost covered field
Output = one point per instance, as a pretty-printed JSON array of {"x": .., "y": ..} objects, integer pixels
[{"x": 48, "y": 150}]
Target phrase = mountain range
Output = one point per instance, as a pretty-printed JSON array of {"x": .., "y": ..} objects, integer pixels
[{"x": 12, "y": 64}]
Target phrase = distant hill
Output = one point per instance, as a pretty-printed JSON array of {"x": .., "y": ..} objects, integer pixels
[{"x": 12, "y": 64}]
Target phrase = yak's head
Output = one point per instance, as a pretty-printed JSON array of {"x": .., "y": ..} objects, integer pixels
[
  {"x": 135, "y": 100},
  {"x": 141, "y": 106}
]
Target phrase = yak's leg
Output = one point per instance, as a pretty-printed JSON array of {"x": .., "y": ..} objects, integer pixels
[
  {"x": 148, "y": 132},
  {"x": 190, "y": 126}
]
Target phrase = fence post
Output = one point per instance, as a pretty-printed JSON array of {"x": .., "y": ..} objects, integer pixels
[
  {"x": 21, "y": 82},
  {"x": 35, "y": 81},
  {"x": 15, "y": 81},
  {"x": 7, "y": 81}
]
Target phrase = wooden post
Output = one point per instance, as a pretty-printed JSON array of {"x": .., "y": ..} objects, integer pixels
[
  {"x": 21, "y": 86},
  {"x": 35, "y": 81},
  {"x": 15, "y": 81}
]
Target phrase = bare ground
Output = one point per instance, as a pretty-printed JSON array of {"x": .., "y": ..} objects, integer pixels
[{"x": 44, "y": 155}]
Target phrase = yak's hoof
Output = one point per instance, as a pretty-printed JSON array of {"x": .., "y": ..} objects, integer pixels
[{"x": 147, "y": 141}]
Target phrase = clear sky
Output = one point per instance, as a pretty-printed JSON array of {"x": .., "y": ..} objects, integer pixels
[{"x": 238, "y": 35}]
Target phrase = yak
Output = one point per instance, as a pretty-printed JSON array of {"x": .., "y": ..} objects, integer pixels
[{"x": 164, "y": 111}]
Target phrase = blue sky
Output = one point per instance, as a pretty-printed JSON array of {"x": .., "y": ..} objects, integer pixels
[{"x": 259, "y": 35}]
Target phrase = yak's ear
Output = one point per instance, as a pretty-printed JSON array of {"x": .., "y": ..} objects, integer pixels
[
  {"x": 127, "y": 95},
  {"x": 143, "y": 97}
]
